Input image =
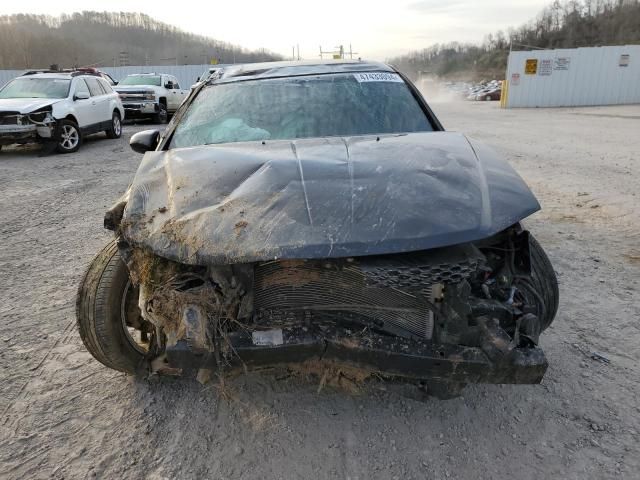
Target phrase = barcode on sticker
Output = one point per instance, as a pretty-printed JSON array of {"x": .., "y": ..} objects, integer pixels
[
  {"x": 267, "y": 337},
  {"x": 377, "y": 77}
]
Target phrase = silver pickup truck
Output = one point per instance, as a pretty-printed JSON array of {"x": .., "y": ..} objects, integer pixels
[{"x": 153, "y": 95}]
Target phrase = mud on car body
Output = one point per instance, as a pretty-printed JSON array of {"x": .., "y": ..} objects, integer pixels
[{"x": 319, "y": 214}]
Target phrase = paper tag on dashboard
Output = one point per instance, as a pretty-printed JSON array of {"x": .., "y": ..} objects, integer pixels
[
  {"x": 269, "y": 338},
  {"x": 377, "y": 77}
]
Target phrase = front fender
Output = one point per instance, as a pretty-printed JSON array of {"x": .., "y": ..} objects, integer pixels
[{"x": 61, "y": 110}]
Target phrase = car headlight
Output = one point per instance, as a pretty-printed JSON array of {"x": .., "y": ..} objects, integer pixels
[
  {"x": 40, "y": 116},
  {"x": 149, "y": 96}
]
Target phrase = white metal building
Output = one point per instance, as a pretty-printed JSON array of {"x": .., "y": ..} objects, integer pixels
[{"x": 573, "y": 77}]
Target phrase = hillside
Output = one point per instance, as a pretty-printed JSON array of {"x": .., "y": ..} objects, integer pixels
[
  {"x": 566, "y": 24},
  {"x": 89, "y": 38}
]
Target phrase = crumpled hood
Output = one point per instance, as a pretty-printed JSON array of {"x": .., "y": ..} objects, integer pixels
[
  {"x": 25, "y": 105},
  {"x": 321, "y": 198}
]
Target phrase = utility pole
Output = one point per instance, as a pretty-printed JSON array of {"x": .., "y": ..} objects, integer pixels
[{"x": 351, "y": 52}]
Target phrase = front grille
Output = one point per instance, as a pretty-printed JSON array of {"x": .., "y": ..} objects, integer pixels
[
  {"x": 9, "y": 118},
  {"x": 133, "y": 96},
  {"x": 395, "y": 292},
  {"x": 333, "y": 288},
  {"x": 407, "y": 271}
]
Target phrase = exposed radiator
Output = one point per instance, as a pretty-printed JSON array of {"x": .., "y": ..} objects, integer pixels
[{"x": 340, "y": 287}]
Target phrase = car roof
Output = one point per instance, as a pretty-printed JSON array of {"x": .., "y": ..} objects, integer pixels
[
  {"x": 62, "y": 75},
  {"x": 59, "y": 76},
  {"x": 251, "y": 71}
]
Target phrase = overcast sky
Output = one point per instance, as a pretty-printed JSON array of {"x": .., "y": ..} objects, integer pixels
[{"x": 377, "y": 29}]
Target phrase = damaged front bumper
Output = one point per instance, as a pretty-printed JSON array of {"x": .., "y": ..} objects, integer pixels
[
  {"x": 26, "y": 132},
  {"x": 381, "y": 355},
  {"x": 459, "y": 315}
]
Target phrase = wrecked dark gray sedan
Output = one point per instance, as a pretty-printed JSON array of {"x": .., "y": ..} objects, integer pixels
[{"x": 316, "y": 216}]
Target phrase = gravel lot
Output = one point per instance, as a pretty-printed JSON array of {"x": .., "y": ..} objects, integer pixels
[{"x": 63, "y": 415}]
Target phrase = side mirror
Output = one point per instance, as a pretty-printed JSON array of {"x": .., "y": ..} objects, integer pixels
[
  {"x": 145, "y": 141},
  {"x": 81, "y": 96},
  {"x": 168, "y": 85},
  {"x": 115, "y": 82}
]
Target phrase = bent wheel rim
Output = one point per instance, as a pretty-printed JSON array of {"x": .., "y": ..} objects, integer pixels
[{"x": 69, "y": 137}]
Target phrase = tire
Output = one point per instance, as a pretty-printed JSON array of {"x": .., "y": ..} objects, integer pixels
[
  {"x": 115, "y": 130},
  {"x": 99, "y": 312},
  {"x": 545, "y": 283},
  {"x": 69, "y": 136},
  {"x": 162, "y": 116}
]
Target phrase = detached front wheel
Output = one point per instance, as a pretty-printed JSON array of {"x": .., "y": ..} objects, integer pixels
[{"x": 109, "y": 320}]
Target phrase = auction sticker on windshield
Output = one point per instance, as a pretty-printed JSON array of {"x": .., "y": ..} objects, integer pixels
[{"x": 377, "y": 77}]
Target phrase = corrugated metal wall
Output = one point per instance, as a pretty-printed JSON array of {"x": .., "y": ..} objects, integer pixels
[
  {"x": 574, "y": 77},
  {"x": 186, "y": 74},
  {"x": 6, "y": 75}
]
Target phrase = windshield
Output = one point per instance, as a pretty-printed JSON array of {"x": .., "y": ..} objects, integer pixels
[
  {"x": 25, "y": 87},
  {"x": 301, "y": 107},
  {"x": 141, "y": 80}
]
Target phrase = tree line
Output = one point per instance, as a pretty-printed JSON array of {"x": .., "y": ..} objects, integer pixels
[
  {"x": 108, "y": 39},
  {"x": 563, "y": 24}
]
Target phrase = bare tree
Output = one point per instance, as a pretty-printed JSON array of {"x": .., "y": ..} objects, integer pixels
[
  {"x": 563, "y": 24},
  {"x": 96, "y": 38}
]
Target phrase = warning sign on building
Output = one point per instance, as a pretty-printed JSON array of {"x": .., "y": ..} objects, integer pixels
[
  {"x": 515, "y": 79},
  {"x": 531, "y": 66},
  {"x": 545, "y": 68},
  {"x": 624, "y": 60},
  {"x": 562, "y": 63}
]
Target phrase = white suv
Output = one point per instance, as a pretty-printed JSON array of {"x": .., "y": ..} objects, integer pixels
[{"x": 58, "y": 108}]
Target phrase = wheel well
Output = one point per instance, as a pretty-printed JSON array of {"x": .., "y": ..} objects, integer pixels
[
  {"x": 72, "y": 118},
  {"x": 163, "y": 101}
]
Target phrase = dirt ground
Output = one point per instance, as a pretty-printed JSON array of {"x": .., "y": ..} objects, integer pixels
[{"x": 63, "y": 415}]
